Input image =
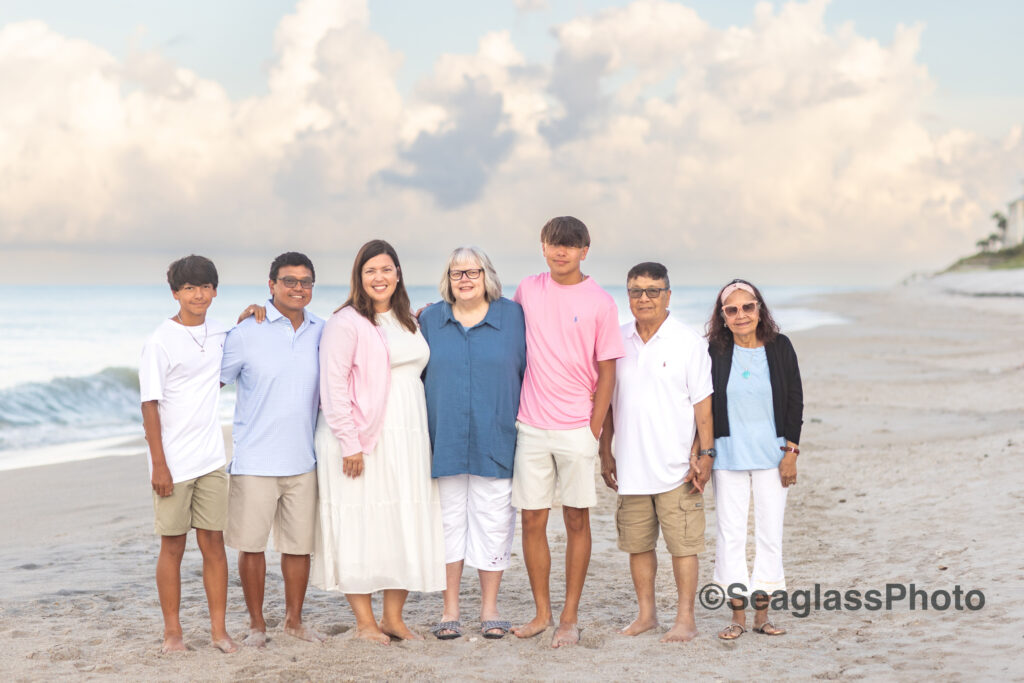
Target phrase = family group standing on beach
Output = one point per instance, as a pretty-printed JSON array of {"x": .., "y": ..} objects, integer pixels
[{"x": 385, "y": 450}]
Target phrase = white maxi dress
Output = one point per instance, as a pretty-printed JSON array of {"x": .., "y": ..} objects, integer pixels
[{"x": 383, "y": 529}]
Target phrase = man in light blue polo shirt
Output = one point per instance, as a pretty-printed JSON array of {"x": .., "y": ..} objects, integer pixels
[{"x": 273, "y": 467}]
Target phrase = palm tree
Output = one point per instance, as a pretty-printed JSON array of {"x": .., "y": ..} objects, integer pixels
[{"x": 1001, "y": 225}]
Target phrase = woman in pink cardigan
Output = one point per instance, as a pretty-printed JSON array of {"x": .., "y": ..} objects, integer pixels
[{"x": 380, "y": 516}]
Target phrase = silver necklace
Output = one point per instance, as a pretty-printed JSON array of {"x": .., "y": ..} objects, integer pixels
[
  {"x": 202, "y": 347},
  {"x": 746, "y": 370}
]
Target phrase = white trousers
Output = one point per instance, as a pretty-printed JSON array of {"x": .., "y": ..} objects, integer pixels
[
  {"x": 479, "y": 520},
  {"x": 732, "y": 507}
]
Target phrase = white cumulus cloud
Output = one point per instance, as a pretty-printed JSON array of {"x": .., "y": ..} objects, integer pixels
[{"x": 779, "y": 149}]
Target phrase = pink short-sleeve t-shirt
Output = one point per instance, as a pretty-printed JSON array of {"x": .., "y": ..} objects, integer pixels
[{"x": 569, "y": 328}]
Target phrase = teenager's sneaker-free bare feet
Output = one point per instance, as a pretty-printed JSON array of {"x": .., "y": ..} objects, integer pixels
[
  {"x": 173, "y": 643},
  {"x": 565, "y": 634},
  {"x": 535, "y": 627}
]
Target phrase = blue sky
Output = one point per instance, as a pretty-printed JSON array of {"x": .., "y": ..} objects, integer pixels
[{"x": 839, "y": 141}]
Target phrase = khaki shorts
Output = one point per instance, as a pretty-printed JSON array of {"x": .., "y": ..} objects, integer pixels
[
  {"x": 200, "y": 503},
  {"x": 680, "y": 512},
  {"x": 545, "y": 457},
  {"x": 288, "y": 504}
]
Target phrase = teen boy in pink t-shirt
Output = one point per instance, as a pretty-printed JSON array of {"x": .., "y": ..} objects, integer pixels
[{"x": 572, "y": 342}]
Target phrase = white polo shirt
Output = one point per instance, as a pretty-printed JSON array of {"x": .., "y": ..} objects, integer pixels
[{"x": 656, "y": 385}]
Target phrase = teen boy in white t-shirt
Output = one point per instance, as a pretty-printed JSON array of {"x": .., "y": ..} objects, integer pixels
[{"x": 179, "y": 382}]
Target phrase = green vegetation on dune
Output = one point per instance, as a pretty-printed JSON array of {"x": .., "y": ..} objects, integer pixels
[{"x": 1011, "y": 257}]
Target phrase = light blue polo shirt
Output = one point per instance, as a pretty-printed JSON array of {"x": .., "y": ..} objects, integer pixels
[{"x": 278, "y": 372}]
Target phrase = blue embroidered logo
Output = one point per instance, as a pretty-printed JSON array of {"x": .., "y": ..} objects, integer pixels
[{"x": 575, "y": 319}]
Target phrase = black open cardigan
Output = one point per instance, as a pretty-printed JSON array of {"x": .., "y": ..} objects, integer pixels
[{"x": 787, "y": 391}]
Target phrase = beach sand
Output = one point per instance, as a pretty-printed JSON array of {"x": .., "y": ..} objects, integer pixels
[{"x": 911, "y": 472}]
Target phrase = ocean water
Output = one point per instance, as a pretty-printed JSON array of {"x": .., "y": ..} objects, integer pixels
[{"x": 70, "y": 362}]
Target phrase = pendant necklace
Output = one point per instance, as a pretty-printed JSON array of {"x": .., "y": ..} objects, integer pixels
[
  {"x": 202, "y": 346},
  {"x": 746, "y": 370}
]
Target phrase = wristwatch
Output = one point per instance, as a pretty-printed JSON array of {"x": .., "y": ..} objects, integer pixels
[{"x": 710, "y": 452}]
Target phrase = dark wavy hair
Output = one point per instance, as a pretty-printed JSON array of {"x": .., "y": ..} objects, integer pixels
[
  {"x": 361, "y": 301},
  {"x": 720, "y": 337},
  {"x": 565, "y": 231},
  {"x": 193, "y": 270}
]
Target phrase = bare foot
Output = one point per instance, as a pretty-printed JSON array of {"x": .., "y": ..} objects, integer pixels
[
  {"x": 565, "y": 634},
  {"x": 639, "y": 626},
  {"x": 225, "y": 645},
  {"x": 173, "y": 644},
  {"x": 537, "y": 626},
  {"x": 303, "y": 632},
  {"x": 399, "y": 630},
  {"x": 374, "y": 636},
  {"x": 680, "y": 633},
  {"x": 255, "y": 638}
]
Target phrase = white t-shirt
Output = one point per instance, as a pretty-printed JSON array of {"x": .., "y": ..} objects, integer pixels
[
  {"x": 656, "y": 385},
  {"x": 184, "y": 379}
]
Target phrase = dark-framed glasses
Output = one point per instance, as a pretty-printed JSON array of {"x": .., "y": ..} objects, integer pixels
[
  {"x": 731, "y": 311},
  {"x": 471, "y": 273},
  {"x": 293, "y": 282},
  {"x": 652, "y": 292}
]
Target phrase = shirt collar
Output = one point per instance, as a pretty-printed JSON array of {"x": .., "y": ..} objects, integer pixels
[
  {"x": 666, "y": 329},
  {"x": 273, "y": 315},
  {"x": 493, "y": 317}
]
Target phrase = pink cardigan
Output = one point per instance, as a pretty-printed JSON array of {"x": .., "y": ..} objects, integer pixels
[{"x": 355, "y": 377}]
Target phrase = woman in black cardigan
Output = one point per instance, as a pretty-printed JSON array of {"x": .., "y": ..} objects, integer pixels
[{"x": 758, "y": 410}]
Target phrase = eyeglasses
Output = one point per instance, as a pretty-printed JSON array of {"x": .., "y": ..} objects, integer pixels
[
  {"x": 652, "y": 292},
  {"x": 293, "y": 282},
  {"x": 471, "y": 273},
  {"x": 733, "y": 311}
]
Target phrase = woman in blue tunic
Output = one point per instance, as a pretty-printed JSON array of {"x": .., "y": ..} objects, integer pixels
[
  {"x": 477, "y": 344},
  {"x": 758, "y": 411}
]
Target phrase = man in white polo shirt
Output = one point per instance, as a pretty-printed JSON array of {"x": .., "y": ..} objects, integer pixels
[
  {"x": 661, "y": 419},
  {"x": 273, "y": 466}
]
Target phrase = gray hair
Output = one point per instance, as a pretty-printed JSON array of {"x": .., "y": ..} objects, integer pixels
[{"x": 492, "y": 285}]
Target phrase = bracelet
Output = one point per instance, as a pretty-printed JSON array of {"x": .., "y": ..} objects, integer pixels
[
  {"x": 789, "y": 449},
  {"x": 710, "y": 452}
]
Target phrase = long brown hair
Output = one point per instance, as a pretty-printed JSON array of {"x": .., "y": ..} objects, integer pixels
[
  {"x": 720, "y": 337},
  {"x": 361, "y": 301}
]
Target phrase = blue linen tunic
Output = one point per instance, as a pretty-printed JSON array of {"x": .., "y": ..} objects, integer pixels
[
  {"x": 278, "y": 372},
  {"x": 472, "y": 382}
]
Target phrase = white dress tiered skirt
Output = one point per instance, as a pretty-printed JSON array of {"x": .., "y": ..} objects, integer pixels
[{"x": 383, "y": 529}]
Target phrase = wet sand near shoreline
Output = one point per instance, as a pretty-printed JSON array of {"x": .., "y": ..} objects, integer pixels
[{"x": 910, "y": 472}]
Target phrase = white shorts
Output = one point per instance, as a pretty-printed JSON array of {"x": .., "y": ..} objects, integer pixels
[
  {"x": 479, "y": 520},
  {"x": 544, "y": 456}
]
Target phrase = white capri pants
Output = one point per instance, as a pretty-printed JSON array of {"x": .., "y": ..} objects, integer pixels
[
  {"x": 479, "y": 520},
  {"x": 732, "y": 507}
]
